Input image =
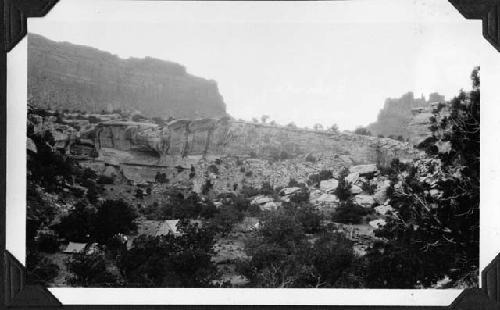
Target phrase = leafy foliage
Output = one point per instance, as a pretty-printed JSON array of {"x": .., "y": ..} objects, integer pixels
[
  {"x": 40, "y": 269},
  {"x": 309, "y": 217},
  {"x": 78, "y": 224},
  {"x": 113, "y": 217},
  {"x": 349, "y": 212},
  {"x": 343, "y": 190},
  {"x": 282, "y": 256},
  {"x": 171, "y": 261},
  {"x": 48, "y": 168},
  {"x": 89, "y": 271},
  {"x": 86, "y": 223}
]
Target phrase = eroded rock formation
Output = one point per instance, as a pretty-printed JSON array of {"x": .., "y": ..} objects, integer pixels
[{"x": 396, "y": 115}]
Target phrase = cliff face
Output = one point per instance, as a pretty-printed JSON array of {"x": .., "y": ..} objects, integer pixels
[
  {"x": 67, "y": 76},
  {"x": 184, "y": 138},
  {"x": 396, "y": 115},
  {"x": 250, "y": 153}
]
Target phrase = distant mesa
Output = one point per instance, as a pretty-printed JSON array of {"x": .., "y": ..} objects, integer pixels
[
  {"x": 62, "y": 75},
  {"x": 394, "y": 119}
]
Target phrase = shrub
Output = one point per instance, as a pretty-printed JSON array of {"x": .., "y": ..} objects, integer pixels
[
  {"x": 332, "y": 256},
  {"x": 239, "y": 162},
  {"x": 78, "y": 224},
  {"x": 432, "y": 228},
  {"x": 89, "y": 270},
  {"x": 40, "y": 269},
  {"x": 362, "y": 131},
  {"x": 315, "y": 179},
  {"x": 161, "y": 178},
  {"x": 310, "y": 158},
  {"x": 226, "y": 217},
  {"x": 139, "y": 194},
  {"x": 394, "y": 169},
  {"x": 249, "y": 191},
  {"x": 213, "y": 169},
  {"x": 350, "y": 213},
  {"x": 241, "y": 203},
  {"x": 208, "y": 210},
  {"x": 206, "y": 187},
  {"x": 300, "y": 196},
  {"x": 266, "y": 188},
  {"x": 310, "y": 218},
  {"x": 171, "y": 261},
  {"x": 343, "y": 190},
  {"x": 48, "y": 243},
  {"x": 293, "y": 183},
  {"x": 113, "y": 217},
  {"x": 369, "y": 188}
]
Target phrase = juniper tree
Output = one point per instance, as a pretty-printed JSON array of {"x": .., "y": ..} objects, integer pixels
[{"x": 435, "y": 228}]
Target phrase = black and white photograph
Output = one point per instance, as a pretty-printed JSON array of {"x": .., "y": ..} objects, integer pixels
[{"x": 313, "y": 145}]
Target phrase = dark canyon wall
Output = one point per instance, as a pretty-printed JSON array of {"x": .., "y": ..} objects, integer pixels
[{"x": 66, "y": 76}]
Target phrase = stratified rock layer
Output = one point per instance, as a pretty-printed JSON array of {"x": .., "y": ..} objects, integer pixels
[
  {"x": 67, "y": 76},
  {"x": 222, "y": 137}
]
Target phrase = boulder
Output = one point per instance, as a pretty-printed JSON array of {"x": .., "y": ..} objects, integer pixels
[
  {"x": 31, "y": 146},
  {"x": 327, "y": 199},
  {"x": 289, "y": 190},
  {"x": 352, "y": 177},
  {"x": 260, "y": 200},
  {"x": 382, "y": 210},
  {"x": 356, "y": 190},
  {"x": 270, "y": 206},
  {"x": 364, "y": 170},
  {"x": 377, "y": 223},
  {"x": 326, "y": 203},
  {"x": 317, "y": 197},
  {"x": 381, "y": 193},
  {"x": 314, "y": 195},
  {"x": 435, "y": 193},
  {"x": 346, "y": 159},
  {"x": 110, "y": 172},
  {"x": 328, "y": 185},
  {"x": 366, "y": 201}
]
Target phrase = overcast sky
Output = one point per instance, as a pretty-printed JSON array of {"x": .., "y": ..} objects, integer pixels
[{"x": 303, "y": 62}]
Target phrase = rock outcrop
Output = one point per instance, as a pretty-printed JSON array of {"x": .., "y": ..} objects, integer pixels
[
  {"x": 396, "y": 115},
  {"x": 419, "y": 126},
  {"x": 66, "y": 76},
  {"x": 223, "y": 137}
]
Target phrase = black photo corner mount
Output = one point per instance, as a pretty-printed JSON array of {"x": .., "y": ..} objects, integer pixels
[{"x": 16, "y": 294}]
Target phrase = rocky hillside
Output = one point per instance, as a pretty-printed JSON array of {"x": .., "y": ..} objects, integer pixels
[
  {"x": 396, "y": 115},
  {"x": 66, "y": 76}
]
